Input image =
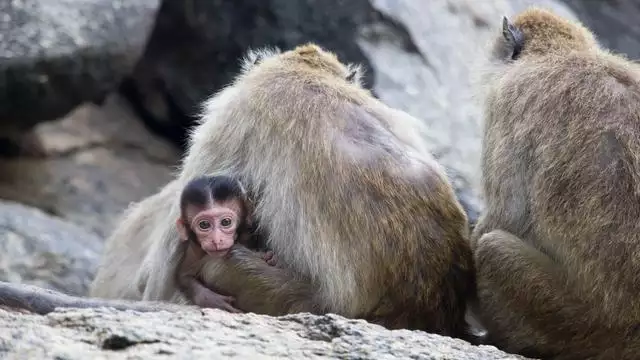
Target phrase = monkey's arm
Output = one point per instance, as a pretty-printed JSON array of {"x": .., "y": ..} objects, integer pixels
[
  {"x": 43, "y": 301},
  {"x": 186, "y": 278},
  {"x": 187, "y": 268},
  {"x": 259, "y": 287}
]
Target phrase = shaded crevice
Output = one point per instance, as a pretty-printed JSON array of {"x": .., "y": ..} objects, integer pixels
[
  {"x": 323, "y": 328},
  {"x": 119, "y": 342}
]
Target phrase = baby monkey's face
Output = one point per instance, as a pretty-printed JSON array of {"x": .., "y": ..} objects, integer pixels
[{"x": 214, "y": 227}]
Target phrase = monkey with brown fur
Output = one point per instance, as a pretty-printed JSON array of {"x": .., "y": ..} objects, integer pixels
[
  {"x": 557, "y": 249},
  {"x": 214, "y": 216},
  {"x": 363, "y": 219}
]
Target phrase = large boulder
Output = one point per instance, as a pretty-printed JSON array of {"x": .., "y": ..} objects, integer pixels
[
  {"x": 58, "y": 54},
  {"x": 109, "y": 334}
]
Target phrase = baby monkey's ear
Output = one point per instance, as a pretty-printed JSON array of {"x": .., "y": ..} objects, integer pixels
[{"x": 182, "y": 230}]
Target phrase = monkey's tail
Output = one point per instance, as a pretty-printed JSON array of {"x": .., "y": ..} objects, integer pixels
[{"x": 43, "y": 301}]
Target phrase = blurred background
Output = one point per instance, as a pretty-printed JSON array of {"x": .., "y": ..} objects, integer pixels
[{"x": 96, "y": 95}]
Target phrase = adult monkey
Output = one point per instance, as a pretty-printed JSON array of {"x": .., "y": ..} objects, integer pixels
[
  {"x": 363, "y": 220},
  {"x": 557, "y": 249}
]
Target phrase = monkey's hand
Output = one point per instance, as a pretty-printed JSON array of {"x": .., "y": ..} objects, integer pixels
[
  {"x": 270, "y": 258},
  {"x": 207, "y": 298}
]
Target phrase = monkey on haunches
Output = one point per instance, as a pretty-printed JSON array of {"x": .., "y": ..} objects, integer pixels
[
  {"x": 557, "y": 249},
  {"x": 363, "y": 219},
  {"x": 214, "y": 216}
]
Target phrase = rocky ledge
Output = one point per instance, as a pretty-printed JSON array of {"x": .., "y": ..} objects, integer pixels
[{"x": 108, "y": 334}]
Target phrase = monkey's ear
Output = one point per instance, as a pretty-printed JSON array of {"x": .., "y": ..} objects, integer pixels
[
  {"x": 513, "y": 36},
  {"x": 182, "y": 230},
  {"x": 352, "y": 75}
]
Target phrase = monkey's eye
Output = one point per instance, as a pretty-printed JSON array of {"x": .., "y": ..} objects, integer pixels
[
  {"x": 204, "y": 225},
  {"x": 226, "y": 222}
]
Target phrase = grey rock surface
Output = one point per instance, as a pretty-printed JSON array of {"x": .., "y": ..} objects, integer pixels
[
  {"x": 108, "y": 334},
  {"x": 615, "y": 23},
  {"x": 38, "y": 249},
  {"x": 91, "y": 165},
  {"x": 58, "y": 54}
]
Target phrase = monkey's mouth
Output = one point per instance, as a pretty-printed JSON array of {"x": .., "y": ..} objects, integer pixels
[{"x": 217, "y": 253}]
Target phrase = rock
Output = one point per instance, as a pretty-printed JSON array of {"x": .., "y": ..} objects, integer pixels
[
  {"x": 58, "y": 54},
  {"x": 96, "y": 161},
  {"x": 196, "y": 47},
  {"x": 42, "y": 250},
  {"x": 108, "y": 334},
  {"x": 615, "y": 23}
]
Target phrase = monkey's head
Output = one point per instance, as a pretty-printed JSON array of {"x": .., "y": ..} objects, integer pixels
[
  {"x": 539, "y": 32},
  {"x": 310, "y": 55},
  {"x": 213, "y": 210}
]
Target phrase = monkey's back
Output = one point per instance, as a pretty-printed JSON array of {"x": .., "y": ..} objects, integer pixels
[
  {"x": 401, "y": 222},
  {"x": 574, "y": 136}
]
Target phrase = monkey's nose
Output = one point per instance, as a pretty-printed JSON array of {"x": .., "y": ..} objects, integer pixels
[{"x": 211, "y": 246}]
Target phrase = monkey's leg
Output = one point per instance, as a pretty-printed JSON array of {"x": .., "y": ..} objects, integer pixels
[
  {"x": 43, "y": 301},
  {"x": 528, "y": 307}
]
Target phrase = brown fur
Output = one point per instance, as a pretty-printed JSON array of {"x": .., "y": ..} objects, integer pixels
[
  {"x": 557, "y": 249},
  {"x": 359, "y": 213}
]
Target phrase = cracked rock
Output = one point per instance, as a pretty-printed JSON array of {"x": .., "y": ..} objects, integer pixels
[{"x": 108, "y": 334}]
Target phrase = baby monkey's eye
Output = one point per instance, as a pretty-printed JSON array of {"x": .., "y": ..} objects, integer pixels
[
  {"x": 226, "y": 222},
  {"x": 204, "y": 224}
]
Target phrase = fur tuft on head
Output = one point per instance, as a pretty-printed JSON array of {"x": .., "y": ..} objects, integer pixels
[
  {"x": 318, "y": 58},
  {"x": 309, "y": 54},
  {"x": 254, "y": 57}
]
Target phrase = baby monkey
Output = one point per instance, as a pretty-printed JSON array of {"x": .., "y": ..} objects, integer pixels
[{"x": 215, "y": 214}]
